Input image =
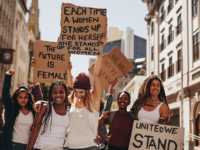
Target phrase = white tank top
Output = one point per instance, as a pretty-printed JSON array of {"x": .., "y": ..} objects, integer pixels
[
  {"x": 150, "y": 116},
  {"x": 53, "y": 138},
  {"x": 83, "y": 128},
  {"x": 22, "y": 127}
]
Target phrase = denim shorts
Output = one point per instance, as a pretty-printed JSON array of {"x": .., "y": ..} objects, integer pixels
[
  {"x": 88, "y": 148},
  {"x": 18, "y": 146}
]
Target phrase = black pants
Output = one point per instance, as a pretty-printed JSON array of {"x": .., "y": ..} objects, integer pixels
[{"x": 110, "y": 147}]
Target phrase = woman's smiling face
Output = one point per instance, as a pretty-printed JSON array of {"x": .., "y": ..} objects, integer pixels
[
  {"x": 58, "y": 94},
  {"x": 123, "y": 100},
  {"x": 79, "y": 93}
]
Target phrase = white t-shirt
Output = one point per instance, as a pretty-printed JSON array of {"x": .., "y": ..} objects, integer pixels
[
  {"x": 53, "y": 138},
  {"x": 83, "y": 128},
  {"x": 22, "y": 128}
]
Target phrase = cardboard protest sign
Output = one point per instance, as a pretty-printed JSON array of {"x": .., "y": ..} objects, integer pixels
[
  {"x": 156, "y": 137},
  {"x": 49, "y": 65},
  {"x": 115, "y": 65},
  {"x": 82, "y": 27},
  {"x": 83, "y": 47}
]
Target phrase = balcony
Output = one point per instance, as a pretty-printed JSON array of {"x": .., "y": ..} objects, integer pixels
[
  {"x": 179, "y": 27},
  {"x": 170, "y": 37}
]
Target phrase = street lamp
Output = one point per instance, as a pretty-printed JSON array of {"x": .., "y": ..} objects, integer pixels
[
  {"x": 6, "y": 55},
  {"x": 182, "y": 92}
]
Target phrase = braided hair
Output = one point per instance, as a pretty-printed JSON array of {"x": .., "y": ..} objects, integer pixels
[{"x": 50, "y": 101}]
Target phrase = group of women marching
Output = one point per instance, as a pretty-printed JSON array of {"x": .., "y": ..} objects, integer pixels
[{"x": 71, "y": 122}]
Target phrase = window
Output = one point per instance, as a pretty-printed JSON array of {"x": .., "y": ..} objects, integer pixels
[
  {"x": 179, "y": 61},
  {"x": 16, "y": 24},
  {"x": 170, "y": 69},
  {"x": 170, "y": 6},
  {"x": 152, "y": 53},
  {"x": 163, "y": 72},
  {"x": 152, "y": 28},
  {"x": 162, "y": 13},
  {"x": 162, "y": 9},
  {"x": 194, "y": 7},
  {"x": 179, "y": 24},
  {"x": 171, "y": 35},
  {"x": 196, "y": 47},
  {"x": 163, "y": 42}
]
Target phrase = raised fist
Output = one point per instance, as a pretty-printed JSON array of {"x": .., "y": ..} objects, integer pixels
[{"x": 10, "y": 72}]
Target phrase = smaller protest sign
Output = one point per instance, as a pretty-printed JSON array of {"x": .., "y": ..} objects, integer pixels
[
  {"x": 156, "y": 137},
  {"x": 82, "y": 47},
  {"x": 114, "y": 66},
  {"x": 49, "y": 65}
]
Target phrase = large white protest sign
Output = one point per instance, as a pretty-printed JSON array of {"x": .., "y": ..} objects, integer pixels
[{"x": 156, "y": 137}]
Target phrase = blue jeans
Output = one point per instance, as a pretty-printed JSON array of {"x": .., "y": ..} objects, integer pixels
[
  {"x": 18, "y": 146},
  {"x": 88, "y": 148}
]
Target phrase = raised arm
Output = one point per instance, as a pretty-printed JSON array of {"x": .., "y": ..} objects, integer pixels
[
  {"x": 35, "y": 88},
  {"x": 100, "y": 133},
  {"x": 36, "y": 91},
  {"x": 69, "y": 75},
  {"x": 97, "y": 90},
  {"x": 109, "y": 96},
  {"x": 36, "y": 128},
  {"x": 6, "y": 96}
]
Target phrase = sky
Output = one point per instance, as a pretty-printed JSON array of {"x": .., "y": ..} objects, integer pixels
[{"x": 120, "y": 14}]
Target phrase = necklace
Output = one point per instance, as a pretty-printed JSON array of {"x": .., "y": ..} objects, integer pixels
[{"x": 153, "y": 100}]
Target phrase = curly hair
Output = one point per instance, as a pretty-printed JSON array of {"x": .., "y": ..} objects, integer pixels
[
  {"x": 144, "y": 91},
  {"x": 17, "y": 107},
  {"x": 50, "y": 101}
]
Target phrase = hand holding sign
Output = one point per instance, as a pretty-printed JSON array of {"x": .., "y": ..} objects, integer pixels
[{"x": 156, "y": 136}]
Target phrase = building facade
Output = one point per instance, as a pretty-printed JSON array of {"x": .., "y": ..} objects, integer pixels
[
  {"x": 139, "y": 47},
  {"x": 132, "y": 46},
  {"x": 16, "y": 34},
  {"x": 34, "y": 34},
  {"x": 164, "y": 58}
]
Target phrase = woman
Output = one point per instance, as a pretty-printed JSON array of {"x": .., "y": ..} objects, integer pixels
[
  {"x": 151, "y": 104},
  {"x": 84, "y": 111},
  {"x": 18, "y": 116},
  {"x": 51, "y": 123},
  {"x": 121, "y": 123},
  {"x": 109, "y": 101}
]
